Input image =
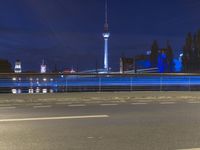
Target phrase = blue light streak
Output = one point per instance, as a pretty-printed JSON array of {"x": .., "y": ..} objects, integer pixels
[{"x": 105, "y": 81}]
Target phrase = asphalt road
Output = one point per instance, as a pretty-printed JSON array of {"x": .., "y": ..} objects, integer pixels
[{"x": 114, "y": 126}]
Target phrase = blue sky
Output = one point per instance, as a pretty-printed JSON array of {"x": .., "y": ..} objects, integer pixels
[{"x": 69, "y": 32}]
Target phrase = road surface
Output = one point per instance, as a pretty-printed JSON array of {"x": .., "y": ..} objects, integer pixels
[{"x": 102, "y": 126}]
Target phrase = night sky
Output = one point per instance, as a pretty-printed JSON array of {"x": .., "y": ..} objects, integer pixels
[{"x": 69, "y": 32}]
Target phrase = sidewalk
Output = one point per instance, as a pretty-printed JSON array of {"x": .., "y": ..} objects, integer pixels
[{"x": 151, "y": 96}]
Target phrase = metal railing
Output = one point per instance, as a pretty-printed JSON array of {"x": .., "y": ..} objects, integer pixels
[{"x": 79, "y": 82}]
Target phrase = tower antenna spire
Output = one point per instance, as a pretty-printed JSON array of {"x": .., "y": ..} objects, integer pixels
[
  {"x": 106, "y": 16},
  {"x": 43, "y": 62}
]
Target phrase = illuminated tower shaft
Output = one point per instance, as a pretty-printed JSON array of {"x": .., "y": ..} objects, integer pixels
[
  {"x": 106, "y": 36},
  {"x": 106, "y": 65}
]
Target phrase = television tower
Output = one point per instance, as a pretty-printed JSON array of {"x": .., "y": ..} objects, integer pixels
[{"x": 106, "y": 36}]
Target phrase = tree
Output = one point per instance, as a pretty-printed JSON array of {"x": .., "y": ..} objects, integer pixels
[
  {"x": 170, "y": 58},
  {"x": 154, "y": 54},
  {"x": 187, "y": 53},
  {"x": 5, "y": 66},
  {"x": 197, "y": 44},
  {"x": 196, "y": 55}
]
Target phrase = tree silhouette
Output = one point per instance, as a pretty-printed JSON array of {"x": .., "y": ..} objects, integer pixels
[
  {"x": 5, "y": 66},
  {"x": 187, "y": 53},
  {"x": 170, "y": 57},
  {"x": 154, "y": 54}
]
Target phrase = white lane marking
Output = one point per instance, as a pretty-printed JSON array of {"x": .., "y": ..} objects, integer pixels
[
  {"x": 45, "y": 106},
  {"x": 138, "y": 103},
  {"x": 7, "y": 107},
  {"x": 38, "y": 103},
  {"x": 167, "y": 103},
  {"x": 33, "y": 104},
  {"x": 190, "y": 149},
  {"x": 77, "y": 105},
  {"x": 193, "y": 102},
  {"x": 54, "y": 118},
  {"x": 90, "y": 137},
  {"x": 95, "y": 102},
  {"x": 108, "y": 104},
  {"x": 63, "y": 103}
]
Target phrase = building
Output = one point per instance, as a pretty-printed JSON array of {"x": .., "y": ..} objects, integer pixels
[
  {"x": 137, "y": 64},
  {"x": 126, "y": 64},
  {"x": 43, "y": 68},
  {"x": 18, "y": 67}
]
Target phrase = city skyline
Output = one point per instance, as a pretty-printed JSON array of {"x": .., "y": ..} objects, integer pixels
[{"x": 69, "y": 33}]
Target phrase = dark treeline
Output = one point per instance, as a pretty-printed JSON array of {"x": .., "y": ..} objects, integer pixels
[
  {"x": 162, "y": 58},
  {"x": 191, "y": 53},
  {"x": 5, "y": 66}
]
